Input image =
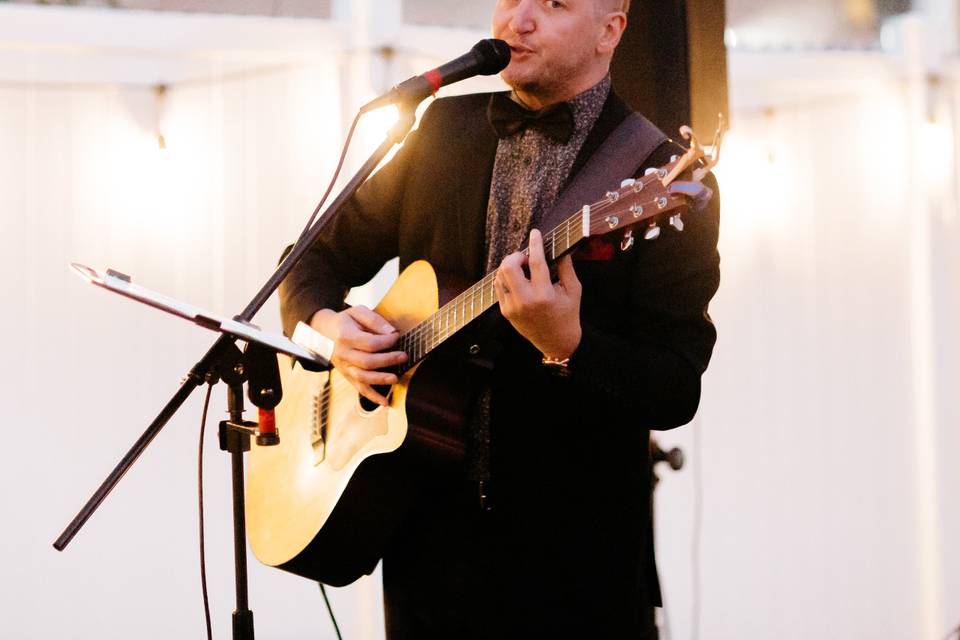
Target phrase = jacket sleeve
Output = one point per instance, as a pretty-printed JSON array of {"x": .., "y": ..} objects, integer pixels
[
  {"x": 353, "y": 247},
  {"x": 652, "y": 369}
]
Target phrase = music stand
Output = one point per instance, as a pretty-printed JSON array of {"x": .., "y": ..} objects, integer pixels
[{"x": 257, "y": 365}]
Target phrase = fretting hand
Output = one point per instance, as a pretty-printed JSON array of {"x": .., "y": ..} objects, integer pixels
[{"x": 545, "y": 313}]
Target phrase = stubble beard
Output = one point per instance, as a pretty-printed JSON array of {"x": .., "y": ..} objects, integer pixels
[
  {"x": 543, "y": 83},
  {"x": 550, "y": 81}
]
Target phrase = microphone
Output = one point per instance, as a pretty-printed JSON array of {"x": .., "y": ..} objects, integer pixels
[{"x": 485, "y": 59}]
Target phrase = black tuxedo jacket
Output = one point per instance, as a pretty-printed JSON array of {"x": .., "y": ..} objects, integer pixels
[{"x": 565, "y": 548}]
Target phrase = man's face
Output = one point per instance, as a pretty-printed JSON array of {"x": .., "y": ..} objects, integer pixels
[{"x": 553, "y": 44}]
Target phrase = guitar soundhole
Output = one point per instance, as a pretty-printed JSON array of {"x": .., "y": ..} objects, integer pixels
[{"x": 369, "y": 405}]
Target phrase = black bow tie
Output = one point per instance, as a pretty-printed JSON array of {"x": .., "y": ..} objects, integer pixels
[{"x": 507, "y": 118}]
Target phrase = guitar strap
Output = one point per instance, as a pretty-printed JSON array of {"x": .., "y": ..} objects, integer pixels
[{"x": 620, "y": 156}]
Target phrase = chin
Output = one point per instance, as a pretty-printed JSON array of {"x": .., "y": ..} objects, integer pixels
[{"x": 525, "y": 82}]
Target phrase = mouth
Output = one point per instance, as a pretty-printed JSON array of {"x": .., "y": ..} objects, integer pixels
[{"x": 519, "y": 50}]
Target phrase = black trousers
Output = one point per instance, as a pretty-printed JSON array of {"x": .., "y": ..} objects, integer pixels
[{"x": 455, "y": 571}]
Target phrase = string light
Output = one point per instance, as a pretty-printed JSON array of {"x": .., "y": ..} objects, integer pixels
[{"x": 160, "y": 92}]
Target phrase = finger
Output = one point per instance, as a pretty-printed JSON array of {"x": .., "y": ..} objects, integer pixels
[
  {"x": 357, "y": 338},
  {"x": 500, "y": 283},
  {"x": 364, "y": 376},
  {"x": 371, "y": 361},
  {"x": 539, "y": 271},
  {"x": 511, "y": 269},
  {"x": 568, "y": 276},
  {"x": 503, "y": 295},
  {"x": 367, "y": 392},
  {"x": 370, "y": 320}
]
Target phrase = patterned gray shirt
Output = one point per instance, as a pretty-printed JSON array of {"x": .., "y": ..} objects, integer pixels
[{"x": 528, "y": 173}]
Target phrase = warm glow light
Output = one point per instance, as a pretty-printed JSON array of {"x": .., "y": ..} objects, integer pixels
[
  {"x": 374, "y": 126},
  {"x": 753, "y": 178},
  {"x": 140, "y": 190},
  {"x": 730, "y": 38},
  {"x": 936, "y": 149}
]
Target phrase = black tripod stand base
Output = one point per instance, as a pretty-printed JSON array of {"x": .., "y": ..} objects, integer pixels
[{"x": 243, "y": 625}]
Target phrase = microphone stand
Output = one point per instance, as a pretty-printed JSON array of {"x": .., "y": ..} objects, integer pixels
[{"x": 221, "y": 362}]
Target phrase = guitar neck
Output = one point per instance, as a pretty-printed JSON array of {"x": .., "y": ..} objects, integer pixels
[
  {"x": 644, "y": 200},
  {"x": 419, "y": 341}
]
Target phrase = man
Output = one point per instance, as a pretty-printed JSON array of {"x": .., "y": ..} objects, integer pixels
[{"x": 543, "y": 531}]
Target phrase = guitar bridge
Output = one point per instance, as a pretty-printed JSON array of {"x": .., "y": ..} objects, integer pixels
[{"x": 321, "y": 416}]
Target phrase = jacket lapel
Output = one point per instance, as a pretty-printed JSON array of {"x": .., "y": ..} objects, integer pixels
[{"x": 473, "y": 185}]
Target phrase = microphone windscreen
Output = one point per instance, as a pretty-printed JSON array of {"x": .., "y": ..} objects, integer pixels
[{"x": 493, "y": 56}]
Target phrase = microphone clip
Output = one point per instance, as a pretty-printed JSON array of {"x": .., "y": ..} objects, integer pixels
[{"x": 256, "y": 366}]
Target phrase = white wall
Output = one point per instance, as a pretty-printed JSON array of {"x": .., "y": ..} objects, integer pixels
[
  {"x": 204, "y": 221},
  {"x": 824, "y": 514},
  {"x": 827, "y": 434}
]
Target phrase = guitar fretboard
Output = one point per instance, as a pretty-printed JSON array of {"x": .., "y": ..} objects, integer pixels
[
  {"x": 636, "y": 201},
  {"x": 469, "y": 305}
]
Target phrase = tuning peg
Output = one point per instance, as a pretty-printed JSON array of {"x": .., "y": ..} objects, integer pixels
[
  {"x": 674, "y": 158},
  {"x": 629, "y": 182},
  {"x": 653, "y": 232},
  {"x": 627, "y": 243},
  {"x": 676, "y": 222},
  {"x": 649, "y": 171}
]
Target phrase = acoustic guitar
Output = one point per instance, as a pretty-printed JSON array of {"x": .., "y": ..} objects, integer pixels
[{"x": 324, "y": 502}]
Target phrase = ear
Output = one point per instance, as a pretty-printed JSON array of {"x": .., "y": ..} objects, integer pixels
[{"x": 613, "y": 26}]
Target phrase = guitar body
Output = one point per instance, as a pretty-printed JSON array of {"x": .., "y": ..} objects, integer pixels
[{"x": 324, "y": 502}]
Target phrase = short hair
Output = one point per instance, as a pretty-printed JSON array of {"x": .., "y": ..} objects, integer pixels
[{"x": 616, "y": 5}]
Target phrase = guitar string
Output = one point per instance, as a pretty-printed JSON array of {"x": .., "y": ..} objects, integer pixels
[
  {"x": 338, "y": 385},
  {"x": 572, "y": 222},
  {"x": 453, "y": 316},
  {"x": 430, "y": 333},
  {"x": 425, "y": 329},
  {"x": 564, "y": 227},
  {"x": 483, "y": 286}
]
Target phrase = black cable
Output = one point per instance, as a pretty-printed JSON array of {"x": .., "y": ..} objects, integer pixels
[
  {"x": 203, "y": 556},
  {"x": 333, "y": 618},
  {"x": 206, "y": 405},
  {"x": 697, "y": 526},
  {"x": 333, "y": 180}
]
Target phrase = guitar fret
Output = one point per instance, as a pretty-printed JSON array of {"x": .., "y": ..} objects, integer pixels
[{"x": 467, "y": 306}]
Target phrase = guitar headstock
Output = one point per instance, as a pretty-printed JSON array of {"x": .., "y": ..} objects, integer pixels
[{"x": 658, "y": 195}]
